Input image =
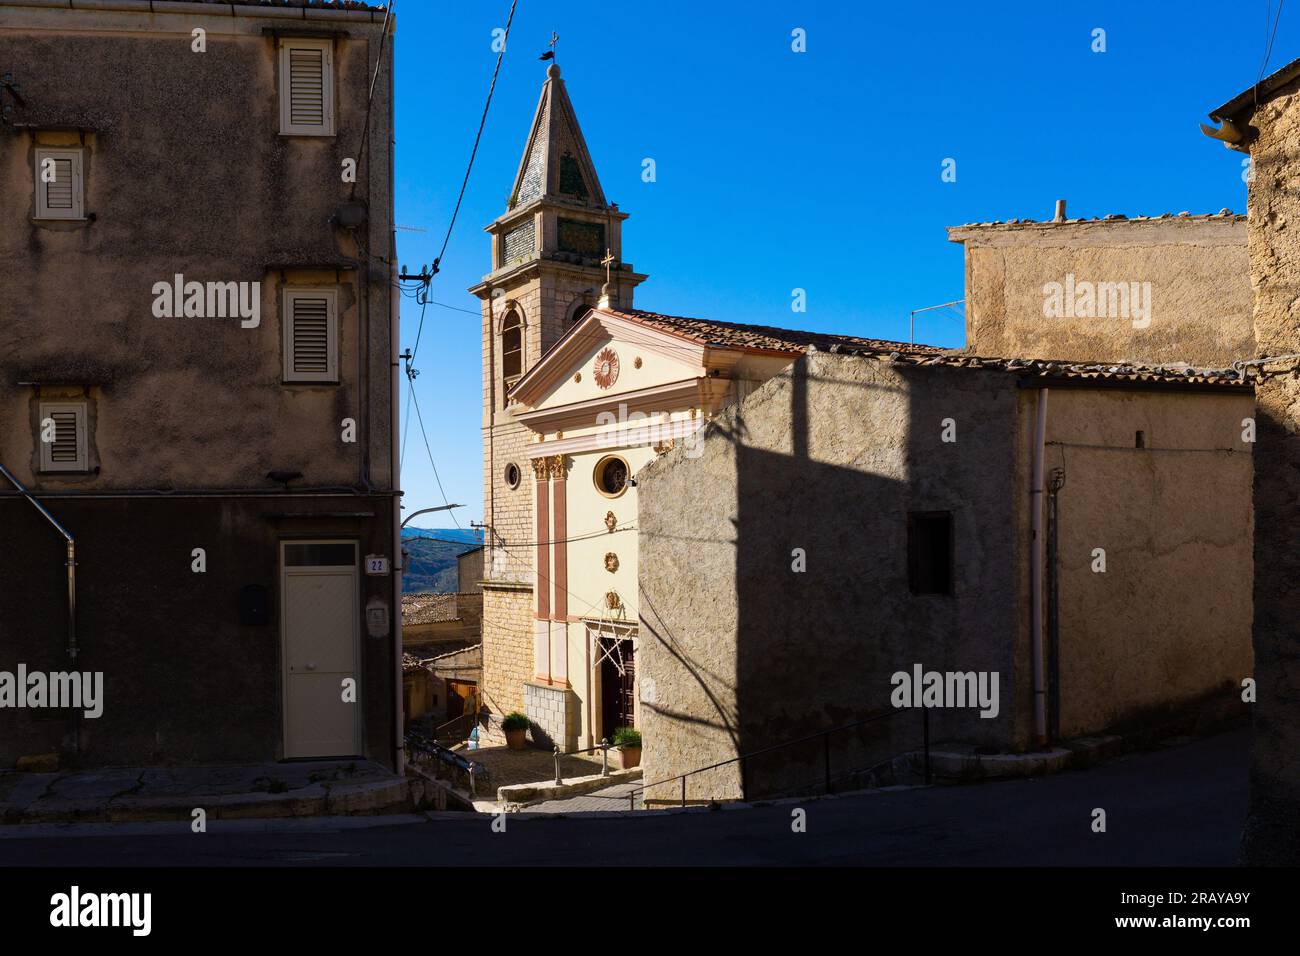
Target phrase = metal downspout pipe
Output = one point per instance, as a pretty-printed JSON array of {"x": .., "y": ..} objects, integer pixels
[
  {"x": 71, "y": 564},
  {"x": 1036, "y": 572}
]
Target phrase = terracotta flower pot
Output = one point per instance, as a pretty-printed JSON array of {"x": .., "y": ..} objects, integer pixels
[
  {"x": 517, "y": 739},
  {"x": 629, "y": 757}
]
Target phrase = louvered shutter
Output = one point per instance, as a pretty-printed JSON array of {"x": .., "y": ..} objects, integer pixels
[
  {"x": 61, "y": 197},
  {"x": 67, "y": 450},
  {"x": 311, "y": 350},
  {"x": 306, "y": 88},
  {"x": 58, "y": 194},
  {"x": 63, "y": 450}
]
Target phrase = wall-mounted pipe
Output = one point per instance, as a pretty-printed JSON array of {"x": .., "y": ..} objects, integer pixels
[
  {"x": 71, "y": 557},
  {"x": 71, "y": 565},
  {"x": 1036, "y": 572}
]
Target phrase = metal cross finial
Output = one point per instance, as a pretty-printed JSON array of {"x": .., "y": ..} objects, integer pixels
[
  {"x": 607, "y": 262},
  {"x": 555, "y": 38}
]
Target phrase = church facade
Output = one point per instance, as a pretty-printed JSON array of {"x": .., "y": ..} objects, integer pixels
[{"x": 581, "y": 390}]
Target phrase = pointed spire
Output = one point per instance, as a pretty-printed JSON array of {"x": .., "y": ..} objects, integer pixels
[{"x": 556, "y": 163}]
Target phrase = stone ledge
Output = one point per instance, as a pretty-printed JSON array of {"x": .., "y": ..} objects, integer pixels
[
  {"x": 964, "y": 764},
  {"x": 521, "y": 794}
]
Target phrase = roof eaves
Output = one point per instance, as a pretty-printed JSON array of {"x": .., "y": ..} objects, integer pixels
[{"x": 1247, "y": 99}]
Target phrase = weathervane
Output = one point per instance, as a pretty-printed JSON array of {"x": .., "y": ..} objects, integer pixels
[{"x": 550, "y": 54}]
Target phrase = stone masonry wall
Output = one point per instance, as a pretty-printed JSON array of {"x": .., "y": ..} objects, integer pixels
[
  {"x": 507, "y": 650},
  {"x": 554, "y": 713},
  {"x": 1272, "y": 832}
]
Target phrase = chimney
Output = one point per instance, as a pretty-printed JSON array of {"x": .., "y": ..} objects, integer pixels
[{"x": 1060, "y": 211}]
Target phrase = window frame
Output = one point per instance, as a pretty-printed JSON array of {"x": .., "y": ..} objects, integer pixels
[
  {"x": 287, "y": 126},
  {"x": 42, "y": 210},
  {"x": 915, "y": 557},
  {"x": 333, "y": 360},
  {"x": 508, "y": 380},
  {"x": 48, "y": 465},
  {"x": 598, "y": 473}
]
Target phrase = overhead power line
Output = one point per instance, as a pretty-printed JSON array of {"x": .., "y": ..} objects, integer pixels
[{"x": 505, "y": 39}]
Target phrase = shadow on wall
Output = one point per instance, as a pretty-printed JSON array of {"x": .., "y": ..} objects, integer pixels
[{"x": 776, "y": 597}]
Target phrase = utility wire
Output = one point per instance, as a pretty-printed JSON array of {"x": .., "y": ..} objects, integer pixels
[
  {"x": 420, "y": 418},
  {"x": 379, "y": 62},
  {"x": 505, "y": 39}
]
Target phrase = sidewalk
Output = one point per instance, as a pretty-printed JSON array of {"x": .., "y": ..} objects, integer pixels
[{"x": 314, "y": 788}]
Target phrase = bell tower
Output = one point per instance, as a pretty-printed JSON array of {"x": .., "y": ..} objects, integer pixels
[
  {"x": 548, "y": 246},
  {"x": 552, "y": 250}
]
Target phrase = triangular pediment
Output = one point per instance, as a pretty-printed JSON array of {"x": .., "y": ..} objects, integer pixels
[
  {"x": 556, "y": 163},
  {"x": 604, "y": 356}
]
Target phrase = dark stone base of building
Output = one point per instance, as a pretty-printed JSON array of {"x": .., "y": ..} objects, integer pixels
[{"x": 191, "y": 660}]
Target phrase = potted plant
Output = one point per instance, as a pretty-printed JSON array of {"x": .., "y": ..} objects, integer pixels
[
  {"x": 516, "y": 727},
  {"x": 627, "y": 740}
]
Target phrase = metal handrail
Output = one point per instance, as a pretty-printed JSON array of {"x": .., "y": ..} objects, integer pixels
[
  {"x": 475, "y": 770},
  {"x": 825, "y": 737}
]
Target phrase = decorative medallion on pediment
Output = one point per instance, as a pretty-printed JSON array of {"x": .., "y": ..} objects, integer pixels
[
  {"x": 611, "y": 522},
  {"x": 665, "y": 446},
  {"x": 611, "y": 562},
  {"x": 606, "y": 370}
]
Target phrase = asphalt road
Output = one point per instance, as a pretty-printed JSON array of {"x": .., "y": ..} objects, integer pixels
[{"x": 1179, "y": 806}]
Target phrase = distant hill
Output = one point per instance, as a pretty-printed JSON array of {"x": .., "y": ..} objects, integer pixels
[
  {"x": 473, "y": 536},
  {"x": 431, "y": 557}
]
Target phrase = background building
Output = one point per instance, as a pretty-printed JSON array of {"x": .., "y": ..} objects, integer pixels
[{"x": 222, "y": 454}]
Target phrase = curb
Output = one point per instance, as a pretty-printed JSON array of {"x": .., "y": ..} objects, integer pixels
[{"x": 317, "y": 800}]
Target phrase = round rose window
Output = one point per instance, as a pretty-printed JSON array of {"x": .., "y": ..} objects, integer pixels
[{"x": 606, "y": 370}]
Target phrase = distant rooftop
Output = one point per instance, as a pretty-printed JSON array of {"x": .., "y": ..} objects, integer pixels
[
  {"x": 428, "y": 608},
  {"x": 1225, "y": 214}
]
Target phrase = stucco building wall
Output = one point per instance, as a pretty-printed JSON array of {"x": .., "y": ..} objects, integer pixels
[
  {"x": 186, "y": 172},
  {"x": 1196, "y": 267},
  {"x": 1273, "y": 830},
  {"x": 1168, "y": 620},
  {"x": 738, "y": 651}
]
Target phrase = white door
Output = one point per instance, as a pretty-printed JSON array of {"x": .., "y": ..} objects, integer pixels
[{"x": 319, "y": 623}]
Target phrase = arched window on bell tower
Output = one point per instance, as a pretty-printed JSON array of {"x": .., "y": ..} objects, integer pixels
[
  {"x": 577, "y": 312},
  {"x": 512, "y": 353}
]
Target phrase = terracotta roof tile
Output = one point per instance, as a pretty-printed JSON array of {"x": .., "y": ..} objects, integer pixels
[
  {"x": 1108, "y": 372},
  {"x": 763, "y": 337},
  {"x": 428, "y": 608},
  {"x": 321, "y": 4}
]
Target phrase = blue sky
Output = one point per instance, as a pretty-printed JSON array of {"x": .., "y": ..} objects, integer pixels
[{"x": 818, "y": 170}]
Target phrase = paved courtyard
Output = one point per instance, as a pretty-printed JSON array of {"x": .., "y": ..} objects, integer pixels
[
  {"x": 507, "y": 767},
  {"x": 611, "y": 798}
]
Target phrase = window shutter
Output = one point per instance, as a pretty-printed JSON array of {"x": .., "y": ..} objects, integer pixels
[
  {"x": 311, "y": 349},
  {"x": 306, "y": 88},
  {"x": 58, "y": 194},
  {"x": 61, "y": 198},
  {"x": 63, "y": 450},
  {"x": 67, "y": 450}
]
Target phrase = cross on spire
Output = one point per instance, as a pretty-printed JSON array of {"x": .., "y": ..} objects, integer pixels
[{"x": 607, "y": 262}]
